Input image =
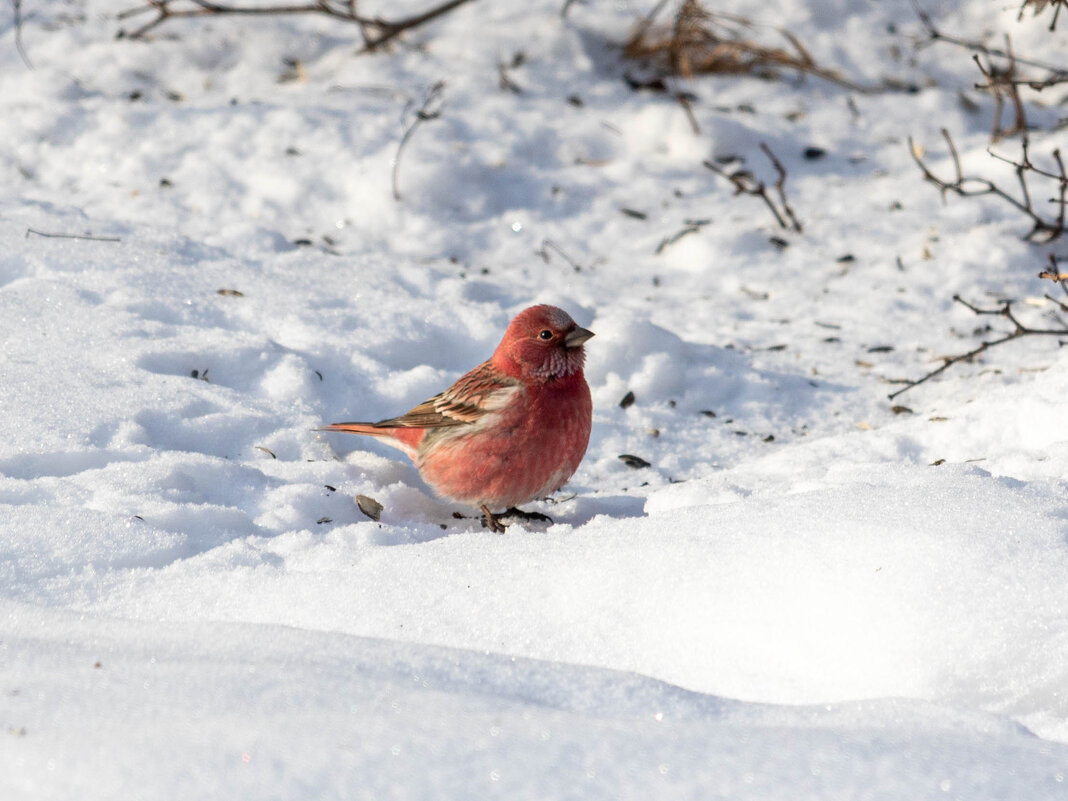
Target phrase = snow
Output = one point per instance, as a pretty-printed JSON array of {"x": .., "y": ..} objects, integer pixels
[{"x": 805, "y": 595}]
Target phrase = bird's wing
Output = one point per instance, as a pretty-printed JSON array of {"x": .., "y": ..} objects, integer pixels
[{"x": 474, "y": 395}]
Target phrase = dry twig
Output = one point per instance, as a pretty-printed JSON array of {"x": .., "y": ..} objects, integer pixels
[
  {"x": 430, "y": 110},
  {"x": 1019, "y": 330},
  {"x": 376, "y": 31},
  {"x": 504, "y": 80},
  {"x": 934, "y": 34},
  {"x": 1004, "y": 85},
  {"x": 1056, "y": 74},
  {"x": 547, "y": 245},
  {"x": 689, "y": 227},
  {"x": 1038, "y": 6},
  {"x": 16, "y": 10},
  {"x": 1004, "y": 82},
  {"x": 1044, "y": 228},
  {"x": 745, "y": 183}
]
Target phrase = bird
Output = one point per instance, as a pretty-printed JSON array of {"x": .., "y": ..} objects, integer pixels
[{"x": 509, "y": 431}]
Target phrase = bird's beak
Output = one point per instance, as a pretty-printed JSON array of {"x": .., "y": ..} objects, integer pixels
[{"x": 576, "y": 337}]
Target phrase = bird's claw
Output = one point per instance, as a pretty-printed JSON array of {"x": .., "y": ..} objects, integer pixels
[
  {"x": 493, "y": 522},
  {"x": 537, "y": 517},
  {"x": 490, "y": 521}
]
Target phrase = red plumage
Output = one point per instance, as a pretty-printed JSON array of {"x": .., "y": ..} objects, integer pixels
[{"x": 513, "y": 429}]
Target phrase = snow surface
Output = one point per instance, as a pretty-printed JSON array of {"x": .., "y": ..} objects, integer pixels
[{"x": 806, "y": 595}]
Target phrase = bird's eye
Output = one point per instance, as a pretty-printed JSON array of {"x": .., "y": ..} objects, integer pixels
[{"x": 546, "y": 334}]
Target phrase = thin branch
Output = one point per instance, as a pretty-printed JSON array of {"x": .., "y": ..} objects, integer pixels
[
  {"x": 565, "y": 8},
  {"x": 17, "y": 10},
  {"x": 543, "y": 251},
  {"x": 1057, "y": 74},
  {"x": 1038, "y": 84},
  {"x": 746, "y": 184},
  {"x": 430, "y": 110},
  {"x": 1043, "y": 227},
  {"x": 780, "y": 187},
  {"x": 165, "y": 10},
  {"x": 684, "y": 100},
  {"x": 690, "y": 227},
  {"x": 388, "y": 30},
  {"x": 1038, "y": 6},
  {"x": 936, "y": 35},
  {"x": 1002, "y": 84},
  {"x": 376, "y": 31},
  {"x": 504, "y": 80},
  {"x": 1019, "y": 330}
]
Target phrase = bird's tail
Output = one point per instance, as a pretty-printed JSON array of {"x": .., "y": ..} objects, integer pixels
[
  {"x": 370, "y": 429},
  {"x": 404, "y": 439}
]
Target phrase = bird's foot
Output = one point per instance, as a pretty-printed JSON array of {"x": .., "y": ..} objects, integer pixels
[
  {"x": 519, "y": 514},
  {"x": 495, "y": 522},
  {"x": 490, "y": 521}
]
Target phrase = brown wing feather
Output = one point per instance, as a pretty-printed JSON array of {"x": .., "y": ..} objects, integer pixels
[
  {"x": 425, "y": 415},
  {"x": 463, "y": 403}
]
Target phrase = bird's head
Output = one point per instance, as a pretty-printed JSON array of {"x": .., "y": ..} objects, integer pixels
[{"x": 542, "y": 344}]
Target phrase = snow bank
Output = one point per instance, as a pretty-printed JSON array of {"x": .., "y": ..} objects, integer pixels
[{"x": 807, "y": 592}]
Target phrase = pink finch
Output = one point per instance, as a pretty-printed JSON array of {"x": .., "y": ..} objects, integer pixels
[{"x": 513, "y": 429}]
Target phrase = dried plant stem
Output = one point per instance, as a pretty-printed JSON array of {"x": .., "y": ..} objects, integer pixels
[
  {"x": 430, "y": 110},
  {"x": 936, "y": 35},
  {"x": 698, "y": 41},
  {"x": 745, "y": 183},
  {"x": 1019, "y": 330},
  {"x": 376, "y": 31},
  {"x": 1044, "y": 228},
  {"x": 1003, "y": 85},
  {"x": 16, "y": 10},
  {"x": 780, "y": 187},
  {"x": 1038, "y": 6}
]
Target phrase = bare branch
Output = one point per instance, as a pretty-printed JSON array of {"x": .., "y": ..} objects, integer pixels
[
  {"x": 1019, "y": 330},
  {"x": 690, "y": 227},
  {"x": 504, "y": 80},
  {"x": 1044, "y": 228},
  {"x": 16, "y": 6},
  {"x": 976, "y": 46},
  {"x": 1038, "y": 6},
  {"x": 1003, "y": 85},
  {"x": 386, "y": 31},
  {"x": 543, "y": 251},
  {"x": 745, "y": 183},
  {"x": 780, "y": 187},
  {"x": 376, "y": 31},
  {"x": 430, "y": 110}
]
